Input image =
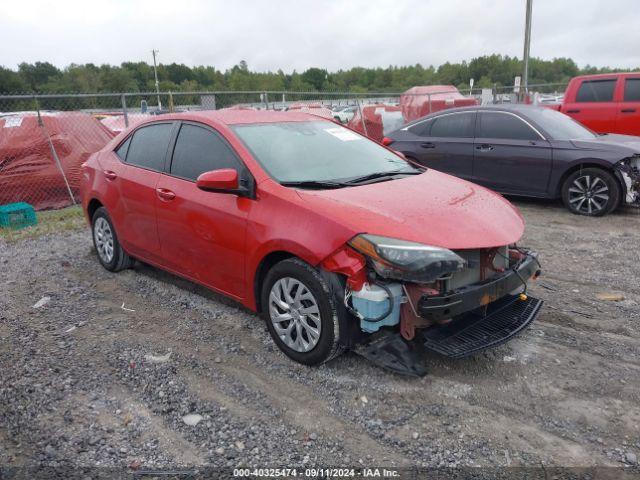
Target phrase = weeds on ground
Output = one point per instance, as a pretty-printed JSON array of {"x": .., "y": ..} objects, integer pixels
[{"x": 51, "y": 221}]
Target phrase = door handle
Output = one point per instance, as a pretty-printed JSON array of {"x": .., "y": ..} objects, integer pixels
[
  {"x": 484, "y": 147},
  {"x": 573, "y": 111},
  {"x": 110, "y": 175},
  {"x": 428, "y": 145},
  {"x": 165, "y": 194},
  {"x": 628, "y": 110}
]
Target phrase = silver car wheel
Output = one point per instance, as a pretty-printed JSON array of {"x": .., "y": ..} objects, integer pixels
[
  {"x": 104, "y": 239},
  {"x": 295, "y": 314},
  {"x": 589, "y": 194}
]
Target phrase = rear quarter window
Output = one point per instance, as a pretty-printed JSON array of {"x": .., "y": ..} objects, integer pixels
[{"x": 121, "y": 151}]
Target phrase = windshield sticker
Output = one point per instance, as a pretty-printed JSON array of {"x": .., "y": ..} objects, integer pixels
[
  {"x": 343, "y": 134},
  {"x": 10, "y": 122}
]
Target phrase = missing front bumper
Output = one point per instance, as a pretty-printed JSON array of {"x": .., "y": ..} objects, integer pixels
[
  {"x": 441, "y": 307},
  {"x": 466, "y": 335},
  {"x": 479, "y": 330}
]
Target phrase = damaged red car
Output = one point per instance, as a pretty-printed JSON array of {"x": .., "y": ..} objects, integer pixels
[{"x": 338, "y": 242}]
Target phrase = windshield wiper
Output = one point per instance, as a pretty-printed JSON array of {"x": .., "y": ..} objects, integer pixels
[
  {"x": 376, "y": 175},
  {"x": 318, "y": 184}
]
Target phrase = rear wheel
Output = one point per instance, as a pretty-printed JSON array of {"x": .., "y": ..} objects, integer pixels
[
  {"x": 110, "y": 252},
  {"x": 301, "y": 312},
  {"x": 591, "y": 191}
]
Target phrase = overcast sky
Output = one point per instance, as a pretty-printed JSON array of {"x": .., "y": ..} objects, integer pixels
[{"x": 297, "y": 34}]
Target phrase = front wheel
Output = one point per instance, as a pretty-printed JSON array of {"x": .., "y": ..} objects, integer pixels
[
  {"x": 591, "y": 191},
  {"x": 301, "y": 312}
]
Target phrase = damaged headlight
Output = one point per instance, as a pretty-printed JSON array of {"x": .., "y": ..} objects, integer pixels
[{"x": 409, "y": 261}]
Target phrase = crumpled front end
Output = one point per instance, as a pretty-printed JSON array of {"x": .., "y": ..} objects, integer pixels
[
  {"x": 410, "y": 298},
  {"x": 629, "y": 171}
]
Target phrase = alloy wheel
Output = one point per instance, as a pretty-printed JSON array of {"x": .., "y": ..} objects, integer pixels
[
  {"x": 104, "y": 239},
  {"x": 589, "y": 194},
  {"x": 294, "y": 314}
]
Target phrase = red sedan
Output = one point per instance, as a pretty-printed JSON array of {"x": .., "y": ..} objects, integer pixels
[{"x": 339, "y": 242}]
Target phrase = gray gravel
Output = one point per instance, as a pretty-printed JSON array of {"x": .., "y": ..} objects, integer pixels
[{"x": 76, "y": 388}]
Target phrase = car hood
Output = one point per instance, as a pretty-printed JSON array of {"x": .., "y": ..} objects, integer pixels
[
  {"x": 432, "y": 208},
  {"x": 623, "y": 144}
]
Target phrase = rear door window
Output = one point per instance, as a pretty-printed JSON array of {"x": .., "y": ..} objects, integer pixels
[
  {"x": 632, "y": 90},
  {"x": 454, "y": 125},
  {"x": 421, "y": 129},
  {"x": 148, "y": 146},
  {"x": 506, "y": 126},
  {"x": 596, "y": 91},
  {"x": 200, "y": 150}
]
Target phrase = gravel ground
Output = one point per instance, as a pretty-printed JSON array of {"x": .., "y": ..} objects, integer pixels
[{"x": 78, "y": 386}]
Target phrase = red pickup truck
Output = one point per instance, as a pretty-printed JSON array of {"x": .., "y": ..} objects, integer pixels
[{"x": 605, "y": 103}]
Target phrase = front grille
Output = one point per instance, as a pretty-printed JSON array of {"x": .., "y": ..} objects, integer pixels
[
  {"x": 472, "y": 273},
  {"x": 477, "y": 331}
]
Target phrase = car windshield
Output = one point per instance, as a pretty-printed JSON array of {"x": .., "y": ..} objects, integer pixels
[
  {"x": 318, "y": 151},
  {"x": 559, "y": 125}
]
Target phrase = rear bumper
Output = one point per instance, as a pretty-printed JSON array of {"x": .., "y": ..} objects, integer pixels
[{"x": 471, "y": 297}]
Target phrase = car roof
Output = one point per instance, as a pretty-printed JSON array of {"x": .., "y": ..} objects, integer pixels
[
  {"x": 596, "y": 76},
  {"x": 506, "y": 107},
  {"x": 241, "y": 116}
]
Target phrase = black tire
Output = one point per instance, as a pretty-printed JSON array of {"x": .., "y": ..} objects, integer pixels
[
  {"x": 119, "y": 260},
  {"x": 328, "y": 345},
  {"x": 584, "y": 193}
]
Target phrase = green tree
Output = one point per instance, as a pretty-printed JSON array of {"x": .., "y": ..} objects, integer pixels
[
  {"x": 39, "y": 73},
  {"x": 316, "y": 77},
  {"x": 487, "y": 70},
  {"x": 11, "y": 82}
]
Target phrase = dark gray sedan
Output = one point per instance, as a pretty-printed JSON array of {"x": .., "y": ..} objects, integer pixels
[{"x": 529, "y": 151}]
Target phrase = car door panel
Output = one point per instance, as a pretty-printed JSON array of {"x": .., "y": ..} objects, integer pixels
[
  {"x": 138, "y": 180},
  {"x": 139, "y": 229},
  {"x": 510, "y": 156},
  {"x": 451, "y": 153},
  {"x": 595, "y": 105},
  {"x": 628, "y": 112},
  {"x": 202, "y": 234},
  {"x": 513, "y": 166}
]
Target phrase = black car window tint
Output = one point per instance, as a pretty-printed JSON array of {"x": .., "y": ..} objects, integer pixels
[
  {"x": 504, "y": 125},
  {"x": 456, "y": 125},
  {"x": 596, "y": 91},
  {"x": 632, "y": 90},
  {"x": 121, "y": 151},
  {"x": 200, "y": 150},
  {"x": 421, "y": 129},
  {"x": 148, "y": 146}
]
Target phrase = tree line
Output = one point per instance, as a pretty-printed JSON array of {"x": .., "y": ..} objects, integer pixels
[{"x": 487, "y": 71}]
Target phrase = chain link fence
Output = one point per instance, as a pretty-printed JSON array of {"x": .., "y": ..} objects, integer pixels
[{"x": 44, "y": 139}]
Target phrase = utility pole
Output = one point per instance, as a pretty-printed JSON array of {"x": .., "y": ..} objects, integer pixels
[
  {"x": 155, "y": 74},
  {"x": 527, "y": 45}
]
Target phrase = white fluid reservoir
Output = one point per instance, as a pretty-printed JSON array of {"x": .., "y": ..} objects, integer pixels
[{"x": 373, "y": 301}]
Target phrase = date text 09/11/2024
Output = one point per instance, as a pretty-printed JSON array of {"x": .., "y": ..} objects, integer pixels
[{"x": 317, "y": 472}]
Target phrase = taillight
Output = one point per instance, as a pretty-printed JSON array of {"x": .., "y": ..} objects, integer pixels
[{"x": 386, "y": 141}]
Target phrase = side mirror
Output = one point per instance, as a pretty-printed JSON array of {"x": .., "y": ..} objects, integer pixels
[{"x": 224, "y": 180}]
